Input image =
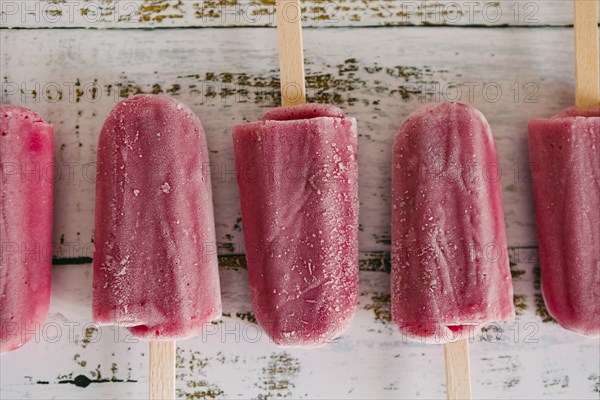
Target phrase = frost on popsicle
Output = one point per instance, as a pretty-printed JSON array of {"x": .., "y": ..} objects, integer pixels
[
  {"x": 26, "y": 156},
  {"x": 298, "y": 181},
  {"x": 155, "y": 265},
  {"x": 565, "y": 161},
  {"x": 450, "y": 270}
]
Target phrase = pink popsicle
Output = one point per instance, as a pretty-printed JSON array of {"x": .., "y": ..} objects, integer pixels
[
  {"x": 26, "y": 155},
  {"x": 450, "y": 272},
  {"x": 565, "y": 160},
  {"x": 155, "y": 261},
  {"x": 298, "y": 180}
]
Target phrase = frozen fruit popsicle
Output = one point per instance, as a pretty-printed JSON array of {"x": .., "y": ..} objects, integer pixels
[
  {"x": 564, "y": 153},
  {"x": 450, "y": 272},
  {"x": 26, "y": 156},
  {"x": 298, "y": 180},
  {"x": 155, "y": 261}
]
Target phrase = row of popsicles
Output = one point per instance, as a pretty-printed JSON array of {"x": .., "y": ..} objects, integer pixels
[{"x": 155, "y": 262}]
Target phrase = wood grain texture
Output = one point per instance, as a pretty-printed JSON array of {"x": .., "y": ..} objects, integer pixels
[
  {"x": 291, "y": 53},
  {"x": 230, "y": 76},
  {"x": 525, "y": 359},
  {"x": 132, "y": 14},
  {"x": 161, "y": 375},
  {"x": 458, "y": 373},
  {"x": 376, "y": 73},
  {"x": 587, "y": 80}
]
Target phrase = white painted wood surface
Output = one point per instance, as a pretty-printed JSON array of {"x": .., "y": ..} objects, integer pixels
[
  {"x": 132, "y": 14},
  {"x": 229, "y": 75},
  {"x": 378, "y": 75},
  {"x": 234, "y": 359}
]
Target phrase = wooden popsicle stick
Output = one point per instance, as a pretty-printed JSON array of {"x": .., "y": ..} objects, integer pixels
[
  {"x": 291, "y": 57},
  {"x": 458, "y": 374},
  {"x": 162, "y": 370},
  {"x": 587, "y": 80}
]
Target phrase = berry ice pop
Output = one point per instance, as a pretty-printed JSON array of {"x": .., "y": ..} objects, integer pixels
[
  {"x": 565, "y": 158},
  {"x": 155, "y": 261},
  {"x": 450, "y": 272},
  {"x": 26, "y": 156},
  {"x": 298, "y": 180}
]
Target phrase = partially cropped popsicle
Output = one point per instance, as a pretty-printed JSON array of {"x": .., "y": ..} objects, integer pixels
[
  {"x": 26, "y": 158},
  {"x": 564, "y": 153},
  {"x": 298, "y": 180},
  {"x": 155, "y": 261},
  {"x": 450, "y": 271}
]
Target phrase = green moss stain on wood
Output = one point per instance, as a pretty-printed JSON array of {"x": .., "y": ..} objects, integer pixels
[
  {"x": 348, "y": 83},
  {"x": 79, "y": 361},
  {"x": 383, "y": 239},
  {"x": 381, "y": 306},
  {"x": 555, "y": 379},
  {"x": 247, "y": 316},
  {"x": 90, "y": 334},
  {"x": 507, "y": 365},
  {"x": 540, "y": 306},
  {"x": 513, "y": 262},
  {"x": 516, "y": 274},
  {"x": 83, "y": 378},
  {"x": 144, "y": 12},
  {"x": 375, "y": 261},
  {"x": 318, "y": 13},
  {"x": 595, "y": 382},
  {"x": 238, "y": 224},
  {"x": 511, "y": 383},
  {"x": 277, "y": 377},
  {"x": 234, "y": 262},
  {"x": 226, "y": 247},
  {"x": 520, "y": 302},
  {"x": 369, "y": 261},
  {"x": 192, "y": 367}
]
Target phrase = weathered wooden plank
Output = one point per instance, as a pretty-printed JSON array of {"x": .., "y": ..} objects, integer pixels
[
  {"x": 228, "y": 76},
  {"x": 128, "y": 14},
  {"x": 531, "y": 357}
]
